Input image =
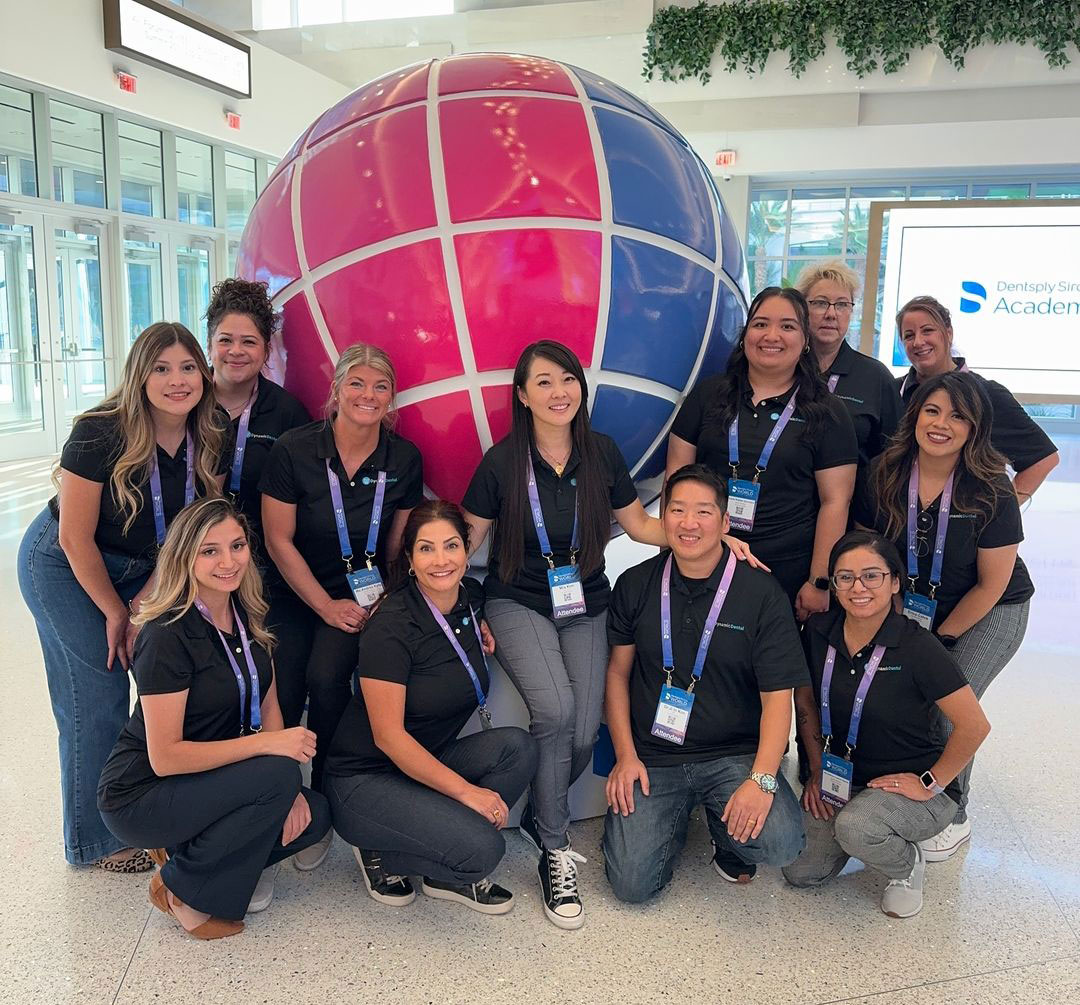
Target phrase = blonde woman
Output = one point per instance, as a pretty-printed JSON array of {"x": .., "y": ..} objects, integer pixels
[
  {"x": 205, "y": 772},
  {"x": 335, "y": 498},
  {"x": 128, "y": 467}
]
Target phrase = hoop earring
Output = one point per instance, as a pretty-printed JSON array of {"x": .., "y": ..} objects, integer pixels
[
  {"x": 412, "y": 572},
  {"x": 806, "y": 348}
]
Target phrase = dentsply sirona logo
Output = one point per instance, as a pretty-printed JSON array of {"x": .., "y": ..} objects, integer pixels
[{"x": 976, "y": 290}]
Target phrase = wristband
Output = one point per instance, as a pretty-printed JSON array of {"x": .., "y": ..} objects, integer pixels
[{"x": 930, "y": 783}]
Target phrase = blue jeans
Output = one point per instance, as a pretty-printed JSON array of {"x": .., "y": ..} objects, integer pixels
[
  {"x": 91, "y": 704},
  {"x": 640, "y": 850}
]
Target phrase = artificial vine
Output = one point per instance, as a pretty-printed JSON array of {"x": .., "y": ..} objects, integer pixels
[{"x": 682, "y": 41}]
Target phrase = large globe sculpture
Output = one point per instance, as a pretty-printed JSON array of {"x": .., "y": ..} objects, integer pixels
[{"x": 453, "y": 211}]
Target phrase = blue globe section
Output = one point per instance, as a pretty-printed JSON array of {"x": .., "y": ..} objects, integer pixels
[
  {"x": 599, "y": 89},
  {"x": 632, "y": 419}
]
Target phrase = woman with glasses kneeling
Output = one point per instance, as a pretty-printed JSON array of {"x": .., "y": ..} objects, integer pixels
[
  {"x": 880, "y": 779},
  {"x": 204, "y": 773},
  {"x": 411, "y": 797}
]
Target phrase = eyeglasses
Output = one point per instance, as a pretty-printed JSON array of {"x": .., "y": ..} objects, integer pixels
[
  {"x": 870, "y": 578},
  {"x": 820, "y": 305}
]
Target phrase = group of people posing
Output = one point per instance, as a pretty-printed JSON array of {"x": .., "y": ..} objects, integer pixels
[{"x": 834, "y": 545}]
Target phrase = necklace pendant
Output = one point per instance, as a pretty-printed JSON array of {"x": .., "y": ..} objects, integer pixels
[{"x": 559, "y": 469}]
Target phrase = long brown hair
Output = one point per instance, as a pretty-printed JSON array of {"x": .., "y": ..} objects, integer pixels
[{"x": 980, "y": 469}]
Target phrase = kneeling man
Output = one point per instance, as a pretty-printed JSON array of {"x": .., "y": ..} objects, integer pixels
[{"x": 704, "y": 658}]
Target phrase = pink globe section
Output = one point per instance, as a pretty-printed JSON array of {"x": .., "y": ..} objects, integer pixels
[{"x": 454, "y": 211}]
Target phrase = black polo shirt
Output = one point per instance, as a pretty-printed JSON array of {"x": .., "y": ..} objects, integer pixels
[
  {"x": 186, "y": 655},
  {"x": 787, "y": 509},
  {"x": 867, "y": 388},
  {"x": 275, "y": 412},
  {"x": 91, "y": 452},
  {"x": 895, "y": 733},
  {"x": 295, "y": 473},
  {"x": 967, "y": 533},
  {"x": 558, "y": 496},
  {"x": 1013, "y": 432},
  {"x": 755, "y": 648},
  {"x": 404, "y": 644}
]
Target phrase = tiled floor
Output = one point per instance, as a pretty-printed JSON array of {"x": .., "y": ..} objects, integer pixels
[{"x": 1001, "y": 922}]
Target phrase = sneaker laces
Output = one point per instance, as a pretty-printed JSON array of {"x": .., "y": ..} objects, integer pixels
[
  {"x": 484, "y": 886},
  {"x": 563, "y": 872},
  {"x": 388, "y": 878}
]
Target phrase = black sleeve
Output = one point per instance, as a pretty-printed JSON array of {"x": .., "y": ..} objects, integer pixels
[
  {"x": 1005, "y": 527},
  {"x": 622, "y": 490},
  {"x": 414, "y": 480},
  {"x": 385, "y": 653},
  {"x": 483, "y": 497},
  {"x": 935, "y": 670},
  {"x": 1015, "y": 433},
  {"x": 779, "y": 660},
  {"x": 891, "y": 410},
  {"x": 278, "y": 477},
  {"x": 622, "y": 612},
  {"x": 162, "y": 664},
  {"x": 691, "y": 415},
  {"x": 835, "y": 443},
  {"x": 89, "y": 449}
]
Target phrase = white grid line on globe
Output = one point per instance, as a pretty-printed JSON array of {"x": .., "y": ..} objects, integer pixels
[{"x": 444, "y": 225}]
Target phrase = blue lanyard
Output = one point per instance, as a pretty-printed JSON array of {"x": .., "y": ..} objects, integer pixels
[
  {"x": 770, "y": 443},
  {"x": 538, "y": 521},
  {"x": 710, "y": 620},
  {"x": 253, "y": 671},
  {"x": 241, "y": 442},
  {"x": 872, "y": 665},
  {"x": 942, "y": 528},
  {"x": 481, "y": 698},
  {"x": 339, "y": 517},
  {"x": 156, "y": 499}
]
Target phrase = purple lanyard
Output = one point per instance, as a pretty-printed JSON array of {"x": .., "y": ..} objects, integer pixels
[
  {"x": 481, "y": 698},
  {"x": 538, "y": 520},
  {"x": 253, "y": 671},
  {"x": 339, "y": 517},
  {"x": 872, "y": 665},
  {"x": 942, "y": 528},
  {"x": 241, "y": 442},
  {"x": 710, "y": 620},
  {"x": 155, "y": 486},
  {"x": 766, "y": 451},
  {"x": 833, "y": 381}
]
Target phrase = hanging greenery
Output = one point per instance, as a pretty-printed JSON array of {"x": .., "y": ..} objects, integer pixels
[{"x": 873, "y": 34}]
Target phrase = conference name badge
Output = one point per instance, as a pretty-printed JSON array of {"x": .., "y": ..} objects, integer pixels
[
  {"x": 920, "y": 609},
  {"x": 567, "y": 594},
  {"x": 836, "y": 776},
  {"x": 742, "y": 503},
  {"x": 672, "y": 714},
  {"x": 366, "y": 586}
]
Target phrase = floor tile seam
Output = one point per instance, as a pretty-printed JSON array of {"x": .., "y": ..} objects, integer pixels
[
  {"x": 950, "y": 980},
  {"x": 131, "y": 958}
]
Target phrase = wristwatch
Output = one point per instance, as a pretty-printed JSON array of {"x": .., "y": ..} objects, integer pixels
[
  {"x": 820, "y": 582},
  {"x": 930, "y": 782},
  {"x": 767, "y": 783}
]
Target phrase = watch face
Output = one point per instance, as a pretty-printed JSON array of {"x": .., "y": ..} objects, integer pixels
[{"x": 767, "y": 783}]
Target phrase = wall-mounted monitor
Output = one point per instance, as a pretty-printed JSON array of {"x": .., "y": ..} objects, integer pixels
[{"x": 164, "y": 36}]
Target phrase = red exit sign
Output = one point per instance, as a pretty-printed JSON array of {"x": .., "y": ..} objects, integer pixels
[
  {"x": 725, "y": 158},
  {"x": 232, "y": 120},
  {"x": 127, "y": 81}
]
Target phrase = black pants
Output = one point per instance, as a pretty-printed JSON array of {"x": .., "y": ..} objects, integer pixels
[
  {"x": 421, "y": 832},
  {"x": 293, "y": 624},
  {"x": 330, "y": 667},
  {"x": 221, "y": 828}
]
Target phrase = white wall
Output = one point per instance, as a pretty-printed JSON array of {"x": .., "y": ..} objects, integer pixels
[{"x": 60, "y": 44}]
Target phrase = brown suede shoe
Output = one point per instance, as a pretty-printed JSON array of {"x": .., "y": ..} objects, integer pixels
[{"x": 212, "y": 928}]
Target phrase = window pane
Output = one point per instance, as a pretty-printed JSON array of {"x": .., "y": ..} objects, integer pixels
[
  {"x": 239, "y": 190},
  {"x": 768, "y": 222},
  {"x": 142, "y": 265},
  {"x": 764, "y": 273},
  {"x": 939, "y": 191},
  {"x": 193, "y": 279},
  {"x": 271, "y": 167},
  {"x": 1058, "y": 189},
  {"x": 20, "y": 375},
  {"x": 140, "y": 170},
  {"x": 817, "y": 222},
  {"x": 195, "y": 182},
  {"x": 17, "y": 169},
  {"x": 78, "y": 155},
  {"x": 859, "y": 214},
  {"x": 1010, "y": 191}
]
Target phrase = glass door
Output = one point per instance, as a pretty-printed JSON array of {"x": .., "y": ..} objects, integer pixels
[
  {"x": 143, "y": 281},
  {"x": 194, "y": 268}
]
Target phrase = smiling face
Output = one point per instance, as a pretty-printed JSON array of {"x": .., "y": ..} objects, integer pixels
[
  {"x": 237, "y": 350},
  {"x": 861, "y": 601},
  {"x": 940, "y": 430},
  {"x": 175, "y": 384},
  {"x": 694, "y": 521},
  {"x": 926, "y": 343},
  {"x": 551, "y": 394},
  {"x": 774, "y": 338},
  {"x": 438, "y": 558},
  {"x": 222, "y": 558},
  {"x": 364, "y": 397},
  {"x": 829, "y": 327}
]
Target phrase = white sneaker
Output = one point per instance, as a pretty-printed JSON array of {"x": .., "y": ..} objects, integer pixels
[
  {"x": 947, "y": 843},
  {"x": 903, "y": 897},
  {"x": 264, "y": 890},
  {"x": 314, "y": 856}
]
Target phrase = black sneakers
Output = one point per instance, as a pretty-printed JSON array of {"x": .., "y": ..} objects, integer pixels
[
  {"x": 557, "y": 869},
  {"x": 528, "y": 830},
  {"x": 485, "y": 896},
  {"x": 394, "y": 891},
  {"x": 730, "y": 867}
]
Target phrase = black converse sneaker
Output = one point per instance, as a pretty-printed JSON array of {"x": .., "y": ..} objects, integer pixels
[
  {"x": 386, "y": 888},
  {"x": 730, "y": 867},
  {"x": 528, "y": 830},
  {"x": 558, "y": 880},
  {"x": 485, "y": 896}
]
